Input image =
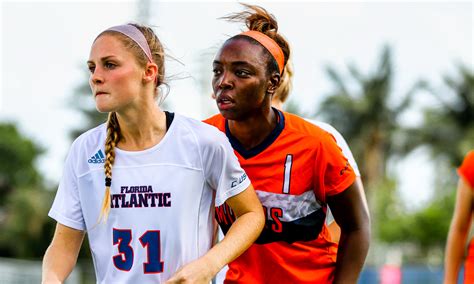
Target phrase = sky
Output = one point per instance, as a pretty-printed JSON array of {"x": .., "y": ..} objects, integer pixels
[{"x": 45, "y": 45}]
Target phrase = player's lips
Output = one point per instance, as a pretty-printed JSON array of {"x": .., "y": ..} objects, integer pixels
[
  {"x": 98, "y": 93},
  {"x": 224, "y": 101}
]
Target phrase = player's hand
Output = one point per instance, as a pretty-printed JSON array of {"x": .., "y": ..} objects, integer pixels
[{"x": 198, "y": 271}]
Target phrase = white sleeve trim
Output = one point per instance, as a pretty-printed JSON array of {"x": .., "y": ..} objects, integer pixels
[
  {"x": 66, "y": 221},
  {"x": 233, "y": 192}
]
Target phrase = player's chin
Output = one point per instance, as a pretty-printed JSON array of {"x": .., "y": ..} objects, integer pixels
[
  {"x": 103, "y": 108},
  {"x": 229, "y": 114},
  {"x": 235, "y": 118}
]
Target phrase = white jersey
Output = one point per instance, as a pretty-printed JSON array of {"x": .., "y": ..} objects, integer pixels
[{"x": 162, "y": 200}]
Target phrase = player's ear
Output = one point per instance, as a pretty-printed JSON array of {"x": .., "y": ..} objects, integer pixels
[
  {"x": 273, "y": 83},
  {"x": 151, "y": 72}
]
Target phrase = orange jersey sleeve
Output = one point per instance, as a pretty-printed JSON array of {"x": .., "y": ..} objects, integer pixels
[
  {"x": 466, "y": 170},
  {"x": 217, "y": 121},
  {"x": 334, "y": 168}
]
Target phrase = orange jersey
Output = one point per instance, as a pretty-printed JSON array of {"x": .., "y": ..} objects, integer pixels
[
  {"x": 469, "y": 264},
  {"x": 293, "y": 171},
  {"x": 466, "y": 171}
]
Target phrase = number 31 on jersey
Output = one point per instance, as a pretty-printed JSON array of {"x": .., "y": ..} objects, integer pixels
[{"x": 150, "y": 241}]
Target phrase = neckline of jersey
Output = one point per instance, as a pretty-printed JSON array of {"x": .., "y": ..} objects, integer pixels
[
  {"x": 169, "y": 119},
  {"x": 247, "y": 154}
]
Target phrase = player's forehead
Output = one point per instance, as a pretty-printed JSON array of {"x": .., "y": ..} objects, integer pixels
[
  {"x": 241, "y": 51},
  {"x": 107, "y": 45}
]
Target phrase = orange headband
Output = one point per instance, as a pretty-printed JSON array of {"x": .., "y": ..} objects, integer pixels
[{"x": 270, "y": 45}]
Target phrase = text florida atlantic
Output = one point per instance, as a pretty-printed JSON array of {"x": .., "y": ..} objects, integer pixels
[{"x": 139, "y": 196}]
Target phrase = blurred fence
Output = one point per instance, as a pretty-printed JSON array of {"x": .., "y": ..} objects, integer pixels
[
  {"x": 14, "y": 271},
  {"x": 409, "y": 275}
]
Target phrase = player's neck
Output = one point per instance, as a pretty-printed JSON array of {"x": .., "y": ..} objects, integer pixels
[
  {"x": 253, "y": 130},
  {"x": 142, "y": 131}
]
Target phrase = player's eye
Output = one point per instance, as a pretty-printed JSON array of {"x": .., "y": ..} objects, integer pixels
[
  {"x": 242, "y": 73},
  {"x": 110, "y": 65},
  {"x": 216, "y": 71}
]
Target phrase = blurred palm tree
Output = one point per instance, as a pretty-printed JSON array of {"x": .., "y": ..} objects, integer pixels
[
  {"x": 448, "y": 131},
  {"x": 448, "y": 128},
  {"x": 361, "y": 108}
]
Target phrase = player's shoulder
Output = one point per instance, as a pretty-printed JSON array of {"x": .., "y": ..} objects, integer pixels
[
  {"x": 470, "y": 155},
  {"x": 323, "y": 125},
  {"x": 216, "y": 120},
  {"x": 87, "y": 150},
  {"x": 466, "y": 169},
  {"x": 316, "y": 136},
  {"x": 469, "y": 159},
  {"x": 91, "y": 138},
  {"x": 303, "y": 127},
  {"x": 328, "y": 128},
  {"x": 204, "y": 133},
  {"x": 199, "y": 127}
]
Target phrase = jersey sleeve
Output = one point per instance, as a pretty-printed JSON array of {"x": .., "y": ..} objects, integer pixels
[
  {"x": 341, "y": 142},
  {"x": 334, "y": 173},
  {"x": 66, "y": 208},
  {"x": 466, "y": 170},
  {"x": 222, "y": 168}
]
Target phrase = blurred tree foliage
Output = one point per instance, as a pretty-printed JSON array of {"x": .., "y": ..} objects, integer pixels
[
  {"x": 17, "y": 167},
  {"x": 448, "y": 131},
  {"x": 26, "y": 228},
  {"x": 364, "y": 109},
  {"x": 426, "y": 228}
]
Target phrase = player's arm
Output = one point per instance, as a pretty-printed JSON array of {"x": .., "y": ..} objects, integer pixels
[
  {"x": 351, "y": 213},
  {"x": 61, "y": 255},
  {"x": 458, "y": 231},
  {"x": 346, "y": 150},
  {"x": 332, "y": 226},
  {"x": 243, "y": 232}
]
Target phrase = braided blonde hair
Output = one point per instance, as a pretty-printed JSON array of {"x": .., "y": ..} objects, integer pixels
[{"x": 113, "y": 137}]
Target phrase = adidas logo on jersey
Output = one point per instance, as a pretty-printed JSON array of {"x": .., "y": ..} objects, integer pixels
[{"x": 97, "y": 158}]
